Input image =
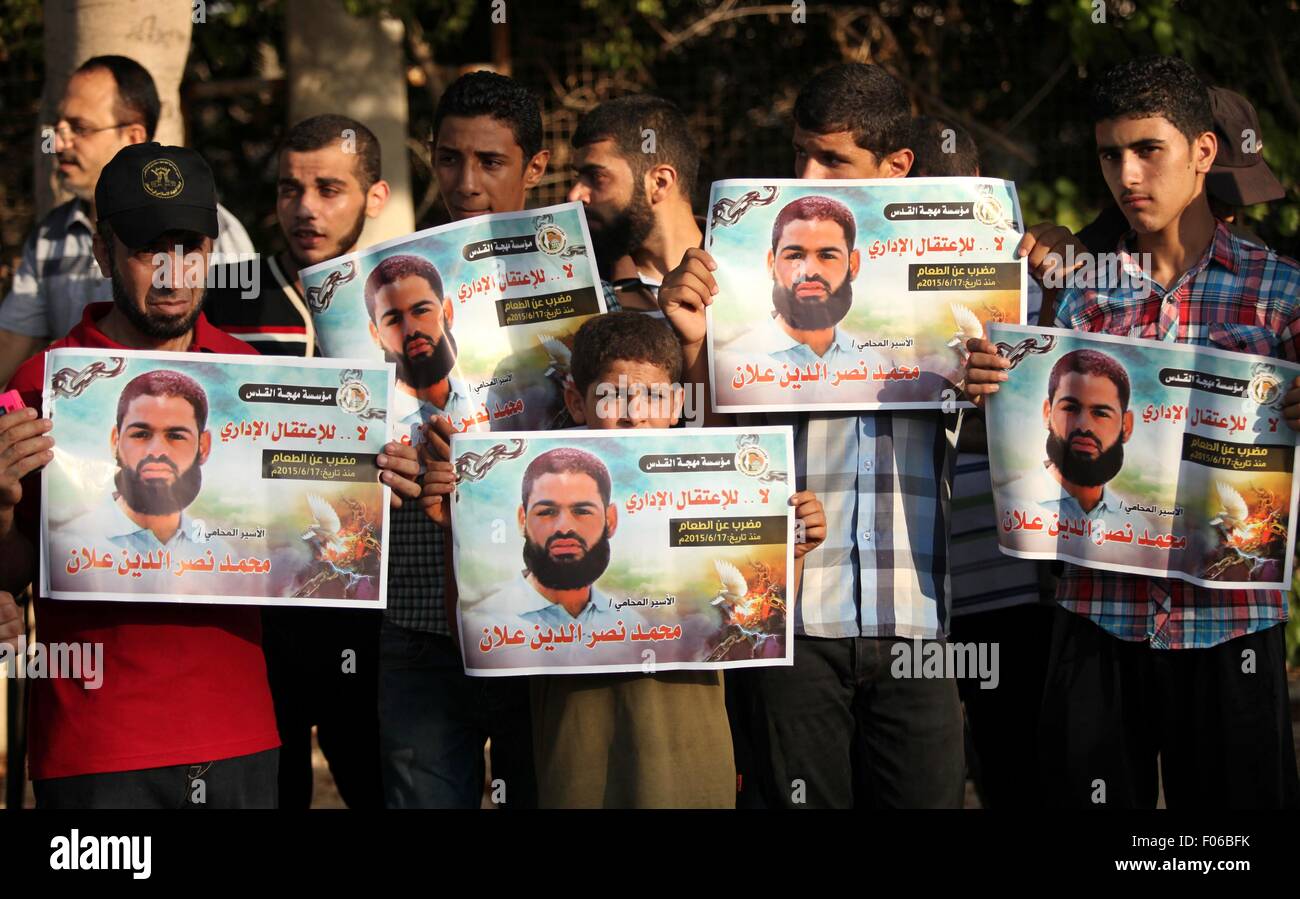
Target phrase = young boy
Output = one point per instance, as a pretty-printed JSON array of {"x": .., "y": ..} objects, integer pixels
[{"x": 629, "y": 740}]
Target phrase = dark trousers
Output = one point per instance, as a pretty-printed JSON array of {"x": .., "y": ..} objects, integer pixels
[
  {"x": 838, "y": 730},
  {"x": 435, "y": 719},
  {"x": 245, "y": 781},
  {"x": 1218, "y": 719},
  {"x": 1002, "y": 722},
  {"x": 323, "y": 667}
]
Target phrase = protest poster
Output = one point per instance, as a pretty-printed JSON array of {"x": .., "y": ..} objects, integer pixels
[
  {"x": 478, "y": 316},
  {"x": 641, "y": 550},
  {"x": 211, "y": 478},
  {"x": 1153, "y": 458},
  {"x": 856, "y": 295}
]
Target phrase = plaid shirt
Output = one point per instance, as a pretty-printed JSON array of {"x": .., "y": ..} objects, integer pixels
[
  {"x": 58, "y": 276},
  {"x": 885, "y": 482},
  {"x": 1238, "y": 297},
  {"x": 417, "y": 575}
]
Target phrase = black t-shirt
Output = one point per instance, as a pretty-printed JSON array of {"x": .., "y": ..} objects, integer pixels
[{"x": 266, "y": 311}]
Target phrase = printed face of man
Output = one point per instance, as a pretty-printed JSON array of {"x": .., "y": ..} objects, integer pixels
[
  {"x": 566, "y": 529},
  {"x": 812, "y": 272},
  {"x": 320, "y": 204},
  {"x": 159, "y": 451},
  {"x": 1151, "y": 168},
  {"x": 1086, "y": 429},
  {"x": 412, "y": 325}
]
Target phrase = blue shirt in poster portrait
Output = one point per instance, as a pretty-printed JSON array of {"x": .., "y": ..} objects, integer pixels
[
  {"x": 108, "y": 523},
  {"x": 518, "y": 600},
  {"x": 772, "y": 339},
  {"x": 411, "y": 412},
  {"x": 1042, "y": 489}
]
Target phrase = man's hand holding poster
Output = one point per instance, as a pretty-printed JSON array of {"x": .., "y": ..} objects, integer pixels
[
  {"x": 215, "y": 479},
  {"x": 641, "y": 551},
  {"x": 857, "y": 295},
  {"x": 1151, "y": 458},
  {"x": 478, "y": 316}
]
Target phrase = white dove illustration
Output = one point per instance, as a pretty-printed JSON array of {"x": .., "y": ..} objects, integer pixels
[
  {"x": 968, "y": 326},
  {"x": 1233, "y": 510},
  {"x": 324, "y": 530},
  {"x": 560, "y": 354},
  {"x": 734, "y": 586}
]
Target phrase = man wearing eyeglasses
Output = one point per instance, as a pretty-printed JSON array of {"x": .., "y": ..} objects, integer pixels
[{"x": 110, "y": 103}]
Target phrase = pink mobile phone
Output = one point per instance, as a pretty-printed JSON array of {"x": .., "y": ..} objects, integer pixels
[{"x": 10, "y": 401}]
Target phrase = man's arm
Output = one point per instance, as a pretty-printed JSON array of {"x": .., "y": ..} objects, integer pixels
[
  {"x": 24, "y": 447},
  {"x": 15, "y": 349},
  {"x": 24, "y": 325},
  {"x": 686, "y": 293}
]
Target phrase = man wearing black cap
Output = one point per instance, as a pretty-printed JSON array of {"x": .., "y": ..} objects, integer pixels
[{"x": 184, "y": 715}]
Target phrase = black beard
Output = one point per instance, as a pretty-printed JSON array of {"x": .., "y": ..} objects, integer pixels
[
  {"x": 568, "y": 575},
  {"x": 812, "y": 315},
  {"x": 1079, "y": 469},
  {"x": 148, "y": 498},
  {"x": 348, "y": 242},
  {"x": 157, "y": 327},
  {"x": 621, "y": 235},
  {"x": 425, "y": 371}
]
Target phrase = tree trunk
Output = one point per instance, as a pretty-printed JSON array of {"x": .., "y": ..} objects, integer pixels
[
  {"x": 155, "y": 33},
  {"x": 340, "y": 64}
]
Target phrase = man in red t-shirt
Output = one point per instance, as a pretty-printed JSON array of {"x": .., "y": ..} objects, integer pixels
[{"x": 181, "y": 714}]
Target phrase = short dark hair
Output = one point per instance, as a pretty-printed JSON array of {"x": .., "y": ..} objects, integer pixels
[
  {"x": 624, "y": 120},
  {"x": 565, "y": 459},
  {"x": 863, "y": 99},
  {"x": 137, "y": 97},
  {"x": 395, "y": 268},
  {"x": 623, "y": 336},
  {"x": 321, "y": 131},
  {"x": 1089, "y": 362},
  {"x": 931, "y": 158},
  {"x": 487, "y": 93},
  {"x": 1155, "y": 86},
  {"x": 815, "y": 209},
  {"x": 165, "y": 382}
]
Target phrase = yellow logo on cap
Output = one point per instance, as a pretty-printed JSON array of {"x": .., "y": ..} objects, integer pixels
[{"x": 162, "y": 179}]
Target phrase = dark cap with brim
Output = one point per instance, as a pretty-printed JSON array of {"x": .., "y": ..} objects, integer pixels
[
  {"x": 1239, "y": 176},
  {"x": 147, "y": 190}
]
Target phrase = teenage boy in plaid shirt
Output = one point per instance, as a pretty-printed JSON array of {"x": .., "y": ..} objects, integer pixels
[{"x": 1145, "y": 667}]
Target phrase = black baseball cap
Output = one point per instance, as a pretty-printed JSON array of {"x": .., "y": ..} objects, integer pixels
[
  {"x": 147, "y": 190},
  {"x": 1239, "y": 177}
]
